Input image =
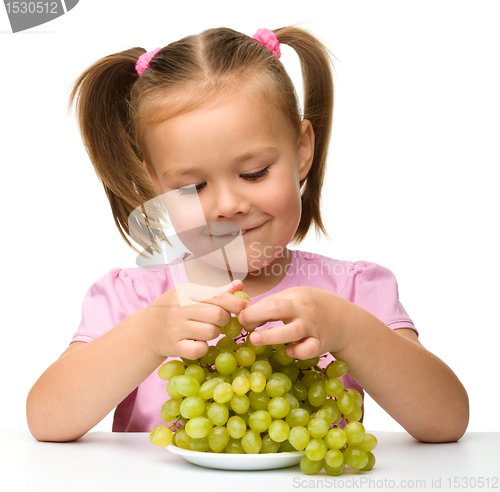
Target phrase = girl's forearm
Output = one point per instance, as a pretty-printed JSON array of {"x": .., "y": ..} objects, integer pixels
[
  {"x": 84, "y": 385},
  {"x": 414, "y": 386}
]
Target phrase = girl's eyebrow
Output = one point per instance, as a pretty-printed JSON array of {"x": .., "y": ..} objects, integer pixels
[{"x": 261, "y": 152}]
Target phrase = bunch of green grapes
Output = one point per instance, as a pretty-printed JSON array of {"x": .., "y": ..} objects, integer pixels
[{"x": 242, "y": 398}]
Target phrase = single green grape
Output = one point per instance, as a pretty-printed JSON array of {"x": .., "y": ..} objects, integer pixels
[
  {"x": 233, "y": 328},
  {"x": 286, "y": 447},
  {"x": 336, "y": 438},
  {"x": 182, "y": 439},
  {"x": 310, "y": 467},
  {"x": 355, "y": 432},
  {"x": 298, "y": 416},
  {"x": 371, "y": 462},
  {"x": 257, "y": 381},
  {"x": 259, "y": 401},
  {"x": 192, "y": 406},
  {"x": 242, "y": 295},
  {"x": 369, "y": 442},
  {"x": 282, "y": 377},
  {"x": 299, "y": 437},
  {"x": 187, "y": 385},
  {"x": 223, "y": 392},
  {"x": 236, "y": 427},
  {"x": 278, "y": 407},
  {"x": 334, "y": 387},
  {"x": 251, "y": 442},
  {"x": 355, "y": 457},
  {"x": 210, "y": 356},
  {"x": 245, "y": 356},
  {"x": 260, "y": 421},
  {"x": 334, "y": 458},
  {"x": 240, "y": 403},
  {"x": 275, "y": 387},
  {"x": 316, "y": 449},
  {"x": 345, "y": 403},
  {"x": 200, "y": 444},
  {"x": 171, "y": 368},
  {"x": 279, "y": 430},
  {"x": 161, "y": 436},
  {"x": 240, "y": 385},
  {"x": 269, "y": 445},
  {"x": 317, "y": 427},
  {"x": 226, "y": 343},
  {"x": 197, "y": 372},
  {"x": 282, "y": 357},
  {"x": 317, "y": 394},
  {"x": 218, "y": 439},
  {"x": 198, "y": 427},
  {"x": 234, "y": 446},
  {"x": 217, "y": 413},
  {"x": 225, "y": 363},
  {"x": 262, "y": 366},
  {"x": 336, "y": 369},
  {"x": 299, "y": 390}
]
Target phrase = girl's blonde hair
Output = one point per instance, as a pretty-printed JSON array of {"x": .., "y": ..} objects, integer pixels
[{"x": 114, "y": 106}]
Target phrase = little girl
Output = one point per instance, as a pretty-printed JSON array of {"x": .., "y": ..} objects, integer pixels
[{"x": 217, "y": 113}]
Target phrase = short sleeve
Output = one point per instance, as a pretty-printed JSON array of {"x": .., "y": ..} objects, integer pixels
[
  {"x": 374, "y": 288},
  {"x": 110, "y": 300}
]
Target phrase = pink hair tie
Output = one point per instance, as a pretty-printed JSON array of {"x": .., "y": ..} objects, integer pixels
[
  {"x": 144, "y": 60},
  {"x": 268, "y": 39}
]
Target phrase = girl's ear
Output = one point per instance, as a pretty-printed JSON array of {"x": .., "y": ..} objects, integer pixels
[
  {"x": 152, "y": 175},
  {"x": 305, "y": 148}
]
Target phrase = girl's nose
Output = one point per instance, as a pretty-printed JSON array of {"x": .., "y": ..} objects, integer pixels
[{"x": 229, "y": 201}]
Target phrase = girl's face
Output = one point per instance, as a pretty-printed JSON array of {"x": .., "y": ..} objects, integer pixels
[{"x": 241, "y": 159}]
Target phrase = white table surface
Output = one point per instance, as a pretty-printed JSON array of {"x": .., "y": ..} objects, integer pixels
[{"x": 106, "y": 461}]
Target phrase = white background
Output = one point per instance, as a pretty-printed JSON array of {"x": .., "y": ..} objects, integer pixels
[{"x": 411, "y": 184}]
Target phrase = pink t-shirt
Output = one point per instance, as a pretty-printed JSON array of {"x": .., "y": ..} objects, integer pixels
[{"x": 122, "y": 292}]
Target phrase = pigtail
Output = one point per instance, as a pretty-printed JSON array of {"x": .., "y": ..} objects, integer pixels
[
  {"x": 101, "y": 96},
  {"x": 316, "y": 66}
]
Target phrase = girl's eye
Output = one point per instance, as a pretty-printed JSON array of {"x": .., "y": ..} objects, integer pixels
[
  {"x": 257, "y": 175},
  {"x": 191, "y": 190}
]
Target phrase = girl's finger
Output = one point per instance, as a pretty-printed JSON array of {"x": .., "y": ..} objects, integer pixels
[
  {"x": 191, "y": 349},
  {"x": 292, "y": 332},
  {"x": 306, "y": 349},
  {"x": 227, "y": 301},
  {"x": 200, "y": 330},
  {"x": 277, "y": 309}
]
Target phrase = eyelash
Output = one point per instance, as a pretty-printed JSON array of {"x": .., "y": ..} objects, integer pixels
[{"x": 247, "y": 177}]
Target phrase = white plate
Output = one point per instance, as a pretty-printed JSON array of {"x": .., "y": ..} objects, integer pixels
[{"x": 227, "y": 461}]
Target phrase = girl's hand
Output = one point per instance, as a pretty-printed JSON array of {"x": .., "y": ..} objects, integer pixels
[
  {"x": 173, "y": 330},
  {"x": 313, "y": 319}
]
